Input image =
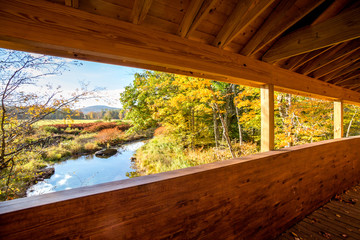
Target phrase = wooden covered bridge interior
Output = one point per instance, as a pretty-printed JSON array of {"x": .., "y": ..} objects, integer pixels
[{"x": 304, "y": 47}]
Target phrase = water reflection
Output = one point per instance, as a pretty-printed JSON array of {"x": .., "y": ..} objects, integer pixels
[{"x": 88, "y": 170}]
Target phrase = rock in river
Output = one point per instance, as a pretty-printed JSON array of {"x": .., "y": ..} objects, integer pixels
[{"x": 105, "y": 153}]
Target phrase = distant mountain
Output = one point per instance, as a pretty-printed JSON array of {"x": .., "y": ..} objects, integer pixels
[{"x": 96, "y": 108}]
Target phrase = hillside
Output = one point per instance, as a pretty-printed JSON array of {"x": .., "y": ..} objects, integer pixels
[{"x": 96, "y": 108}]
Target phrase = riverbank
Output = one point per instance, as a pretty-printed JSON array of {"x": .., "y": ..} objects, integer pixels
[
  {"x": 59, "y": 142},
  {"x": 88, "y": 170}
]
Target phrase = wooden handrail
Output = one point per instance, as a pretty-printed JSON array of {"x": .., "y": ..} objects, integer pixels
[{"x": 253, "y": 197}]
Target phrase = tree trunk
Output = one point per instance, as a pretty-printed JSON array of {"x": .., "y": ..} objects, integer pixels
[
  {"x": 350, "y": 123},
  {"x": 216, "y": 129},
  {"x": 237, "y": 115},
  {"x": 225, "y": 132}
]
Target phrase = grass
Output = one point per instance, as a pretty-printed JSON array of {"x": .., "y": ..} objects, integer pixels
[
  {"x": 163, "y": 153},
  {"x": 62, "y": 121}
]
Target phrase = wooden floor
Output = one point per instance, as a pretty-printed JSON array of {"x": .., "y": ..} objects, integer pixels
[{"x": 338, "y": 219}]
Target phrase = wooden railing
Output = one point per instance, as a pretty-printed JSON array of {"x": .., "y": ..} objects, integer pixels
[{"x": 253, "y": 197}]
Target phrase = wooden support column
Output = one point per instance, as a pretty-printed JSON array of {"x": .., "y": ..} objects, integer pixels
[
  {"x": 267, "y": 117},
  {"x": 338, "y": 119}
]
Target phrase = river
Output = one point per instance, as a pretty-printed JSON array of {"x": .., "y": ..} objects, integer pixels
[{"x": 87, "y": 170}]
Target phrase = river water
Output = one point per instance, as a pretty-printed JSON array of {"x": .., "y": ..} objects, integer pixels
[{"x": 87, "y": 170}]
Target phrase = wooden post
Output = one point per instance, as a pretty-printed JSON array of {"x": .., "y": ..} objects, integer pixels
[
  {"x": 267, "y": 117},
  {"x": 338, "y": 119}
]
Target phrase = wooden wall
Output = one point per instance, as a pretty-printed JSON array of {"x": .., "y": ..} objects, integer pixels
[{"x": 255, "y": 197}]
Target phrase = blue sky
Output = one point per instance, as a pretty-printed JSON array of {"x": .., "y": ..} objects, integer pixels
[{"x": 112, "y": 78}]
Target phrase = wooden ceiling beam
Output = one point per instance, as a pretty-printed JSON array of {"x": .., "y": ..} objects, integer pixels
[
  {"x": 331, "y": 11},
  {"x": 72, "y": 3},
  {"x": 341, "y": 28},
  {"x": 286, "y": 14},
  {"x": 347, "y": 77},
  {"x": 341, "y": 72},
  {"x": 243, "y": 15},
  {"x": 302, "y": 59},
  {"x": 342, "y": 63},
  {"x": 350, "y": 81},
  {"x": 140, "y": 10},
  {"x": 196, "y": 12},
  {"x": 68, "y": 31},
  {"x": 338, "y": 52}
]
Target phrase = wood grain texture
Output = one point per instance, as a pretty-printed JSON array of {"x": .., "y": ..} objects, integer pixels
[
  {"x": 254, "y": 197},
  {"x": 267, "y": 118},
  {"x": 338, "y": 219},
  {"x": 140, "y": 10},
  {"x": 244, "y": 13},
  {"x": 338, "y": 119},
  {"x": 286, "y": 14},
  {"x": 41, "y": 24},
  {"x": 334, "y": 54},
  {"x": 196, "y": 12},
  {"x": 341, "y": 28},
  {"x": 339, "y": 64},
  {"x": 342, "y": 72}
]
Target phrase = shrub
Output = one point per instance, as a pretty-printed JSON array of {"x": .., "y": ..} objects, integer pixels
[
  {"x": 50, "y": 129},
  {"x": 91, "y": 147},
  {"x": 111, "y": 136}
]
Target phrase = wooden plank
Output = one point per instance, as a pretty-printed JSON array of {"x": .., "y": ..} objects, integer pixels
[
  {"x": 341, "y": 72},
  {"x": 331, "y": 11},
  {"x": 264, "y": 195},
  {"x": 298, "y": 61},
  {"x": 341, "y": 28},
  {"x": 68, "y": 3},
  {"x": 343, "y": 50},
  {"x": 196, "y": 12},
  {"x": 338, "y": 119},
  {"x": 244, "y": 13},
  {"x": 118, "y": 42},
  {"x": 140, "y": 10},
  {"x": 342, "y": 63},
  {"x": 267, "y": 118},
  {"x": 278, "y": 22}
]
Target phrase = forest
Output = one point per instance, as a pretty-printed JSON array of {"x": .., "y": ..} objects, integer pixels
[{"x": 199, "y": 120}]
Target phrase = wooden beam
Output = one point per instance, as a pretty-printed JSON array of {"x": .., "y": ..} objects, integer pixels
[
  {"x": 244, "y": 13},
  {"x": 196, "y": 12},
  {"x": 342, "y": 50},
  {"x": 341, "y": 72},
  {"x": 278, "y": 22},
  {"x": 343, "y": 62},
  {"x": 341, "y": 28},
  {"x": 331, "y": 11},
  {"x": 72, "y": 3},
  {"x": 298, "y": 61},
  {"x": 267, "y": 117},
  {"x": 140, "y": 10},
  {"x": 66, "y": 31},
  {"x": 338, "y": 119}
]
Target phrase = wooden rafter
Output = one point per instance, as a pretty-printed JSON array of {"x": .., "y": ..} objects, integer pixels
[
  {"x": 341, "y": 28},
  {"x": 342, "y": 63},
  {"x": 331, "y": 11},
  {"x": 244, "y": 13},
  {"x": 341, "y": 72},
  {"x": 298, "y": 61},
  {"x": 123, "y": 43},
  {"x": 278, "y": 22},
  {"x": 348, "y": 77},
  {"x": 72, "y": 3},
  {"x": 196, "y": 12},
  {"x": 338, "y": 52},
  {"x": 140, "y": 10}
]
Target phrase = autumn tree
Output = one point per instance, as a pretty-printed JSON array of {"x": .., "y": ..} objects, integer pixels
[{"x": 22, "y": 106}]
